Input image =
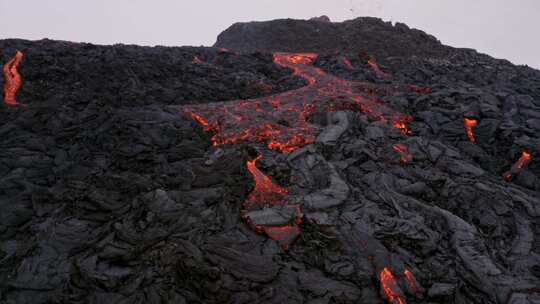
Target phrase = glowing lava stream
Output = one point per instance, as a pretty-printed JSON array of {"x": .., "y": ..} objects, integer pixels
[
  {"x": 282, "y": 120},
  {"x": 390, "y": 287},
  {"x": 519, "y": 165},
  {"x": 12, "y": 79},
  {"x": 267, "y": 193},
  {"x": 405, "y": 155},
  {"x": 469, "y": 123},
  {"x": 265, "y": 190}
]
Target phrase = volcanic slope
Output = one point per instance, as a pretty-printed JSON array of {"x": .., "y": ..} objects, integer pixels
[{"x": 118, "y": 184}]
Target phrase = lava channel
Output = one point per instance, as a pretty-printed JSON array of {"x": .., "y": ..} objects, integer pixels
[
  {"x": 405, "y": 155},
  {"x": 281, "y": 121},
  {"x": 390, "y": 287},
  {"x": 265, "y": 191},
  {"x": 519, "y": 165},
  {"x": 12, "y": 78},
  {"x": 469, "y": 123}
]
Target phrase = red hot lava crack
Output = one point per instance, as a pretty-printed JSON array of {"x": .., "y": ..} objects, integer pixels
[{"x": 282, "y": 120}]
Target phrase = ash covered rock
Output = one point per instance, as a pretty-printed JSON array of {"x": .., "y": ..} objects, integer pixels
[{"x": 109, "y": 195}]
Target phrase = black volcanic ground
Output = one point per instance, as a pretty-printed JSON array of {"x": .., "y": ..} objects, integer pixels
[{"x": 109, "y": 194}]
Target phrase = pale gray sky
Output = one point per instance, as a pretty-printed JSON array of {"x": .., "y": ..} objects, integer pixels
[{"x": 502, "y": 28}]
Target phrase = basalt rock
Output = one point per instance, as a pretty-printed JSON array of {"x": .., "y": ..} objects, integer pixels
[{"x": 113, "y": 190}]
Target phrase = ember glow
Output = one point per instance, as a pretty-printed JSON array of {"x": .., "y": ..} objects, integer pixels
[
  {"x": 400, "y": 122},
  {"x": 265, "y": 191},
  {"x": 390, "y": 287},
  {"x": 519, "y": 165},
  {"x": 281, "y": 121},
  {"x": 469, "y": 124},
  {"x": 403, "y": 151},
  {"x": 283, "y": 235},
  {"x": 411, "y": 281},
  {"x": 12, "y": 79}
]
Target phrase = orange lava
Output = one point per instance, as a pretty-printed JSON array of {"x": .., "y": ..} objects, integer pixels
[
  {"x": 523, "y": 160},
  {"x": 12, "y": 79},
  {"x": 281, "y": 121},
  {"x": 519, "y": 165},
  {"x": 390, "y": 287},
  {"x": 265, "y": 191},
  {"x": 411, "y": 281},
  {"x": 400, "y": 122},
  {"x": 403, "y": 151},
  {"x": 469, "y": 124}
]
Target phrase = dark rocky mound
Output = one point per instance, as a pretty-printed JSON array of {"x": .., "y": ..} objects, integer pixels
[
  {"x": 132, "y": 76},
  {"x": 109, "y": 195},
  {"x": 369, "y": 35}
]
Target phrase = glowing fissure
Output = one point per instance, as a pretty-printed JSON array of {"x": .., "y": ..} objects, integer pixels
[
  {"x": 281, "y": 121},
  {"x": 519, "y": 165},
  {"x": 390, "y": 287},
  {"x": 265, "y": 191},
  {"x": 403, "y": 151},
  {"x": 12, "y": 79},
  {"x": 469, "y": 123},
  {"x": 411, "y": 281}
]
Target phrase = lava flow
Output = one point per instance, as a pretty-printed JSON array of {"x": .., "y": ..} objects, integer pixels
[
  {"x": 519, "y": 165},
  {"x": 390, "y": 287},
  {"x": 12, "y": 79},
  {"x": 469, "y": 123},
  {"x": 400, "y": 123},
  {"x": 405, "y": 155},
  {"x": 411, "y": 281},
  {"x": 282, "y": 121},
  {"x": 265, "y": 191}
]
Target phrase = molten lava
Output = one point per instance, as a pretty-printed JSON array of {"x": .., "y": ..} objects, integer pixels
[
  {"x": 283, "y": 235},
  {"x": 519, "y": 165},
  {"x": 411, "y": 281},
  {"x": 403, "y": 151},
  {"x": 12, "y": 79},
  {"x": 523, "y": 160},
  {"x": 390, "y": 287},
  {"x": 469, "y": 124},
  {"x": 265, "y": 191},
  {"x": 400, "y": 122},
  {"x": 282, "y": 121}
]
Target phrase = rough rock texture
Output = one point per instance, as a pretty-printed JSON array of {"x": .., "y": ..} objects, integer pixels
[
  {"x": 367, "y": 35},
  {"x": 109, "y": 195}
]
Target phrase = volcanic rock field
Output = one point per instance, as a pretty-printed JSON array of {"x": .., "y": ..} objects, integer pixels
[{"x": 295, "y": 161}]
